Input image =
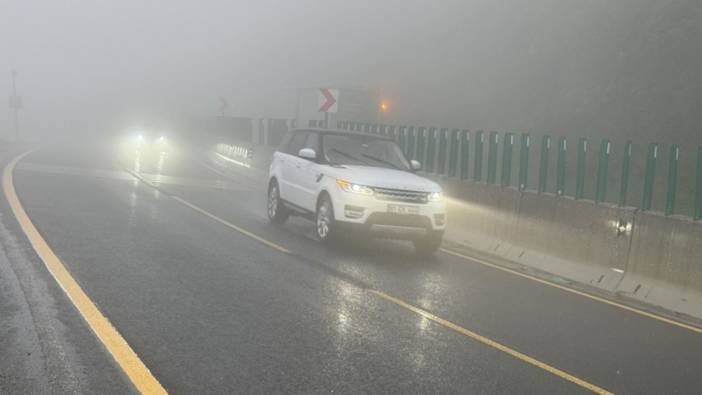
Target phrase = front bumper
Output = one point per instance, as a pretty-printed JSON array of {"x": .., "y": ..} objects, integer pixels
[{"x": 372, "y": 214}]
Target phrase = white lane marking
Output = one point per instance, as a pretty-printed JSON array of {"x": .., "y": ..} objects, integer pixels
[
  {"x": 125, "y": 176},
  {"x": 218, "y": 219},
  {"x": 644, "y": 313},
  {"x": 232, "y": 226}
]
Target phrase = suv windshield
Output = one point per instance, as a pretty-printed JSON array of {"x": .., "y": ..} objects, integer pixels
[{"x": 361, "y": 150}]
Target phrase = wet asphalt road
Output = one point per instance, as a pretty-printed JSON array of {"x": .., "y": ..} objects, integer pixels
[{"x": 210, "y": 310}]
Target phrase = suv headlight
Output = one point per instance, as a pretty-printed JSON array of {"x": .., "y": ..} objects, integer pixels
[
  {"x": 353, "y": 188},
  {"x": 434, "y": 197}
]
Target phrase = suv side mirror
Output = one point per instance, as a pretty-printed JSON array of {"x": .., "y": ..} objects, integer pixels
[
  {"x": 307, "y": 153},
  {"x": 415, "y": 165}
]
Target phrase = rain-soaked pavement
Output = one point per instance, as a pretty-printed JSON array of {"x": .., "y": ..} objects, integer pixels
[{"x": 211, "y": 310}]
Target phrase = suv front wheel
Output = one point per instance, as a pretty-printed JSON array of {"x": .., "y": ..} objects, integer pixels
[{"x": 324, "y": 220}]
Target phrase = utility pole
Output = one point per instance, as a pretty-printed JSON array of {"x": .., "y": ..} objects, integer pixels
[{"x": 16, "y": 104}]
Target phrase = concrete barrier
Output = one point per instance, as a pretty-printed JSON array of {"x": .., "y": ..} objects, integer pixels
[
  {"x": 573, "y": 239},
  {"x": 665, "y": 264},
  {"x": 641, "y": 256}
]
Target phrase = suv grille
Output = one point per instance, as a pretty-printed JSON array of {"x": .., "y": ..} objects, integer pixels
[{"x": 399, "y": 195}]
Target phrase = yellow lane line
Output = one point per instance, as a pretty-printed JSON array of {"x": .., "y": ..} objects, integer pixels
[
  {"x": 576, "y": 292},
  {"x": 492, "y": 343},
  {"x": 115, "y": 344}
]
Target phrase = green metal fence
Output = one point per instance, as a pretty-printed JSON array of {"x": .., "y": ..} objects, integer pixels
[
  {"x": 421, "y": 145},
  {"x": 624, "y": 181},
  {"x": 443, "y": 147},
  {"x": 493, "y": 141},
  {"x": 478, "y": 166},
  {"x": 431, "y": 149},
  {"x": 449, "y": 152},
  {"x": 411, "y": 143},
  {"x": 602, "y": 172},
  {"x": 581, "y": 169},
  {"x": 454, "y": 144},
  {"x": 561, "y": 166},
  {"x": 465, "y": 154},
  {"x": 524, "y": 161},
  {"x": 649, "y": 177},
  {"x": 673, "y": 158},
  {"x": 543, "y": 163},
  {"x": 507, "y": 148}
]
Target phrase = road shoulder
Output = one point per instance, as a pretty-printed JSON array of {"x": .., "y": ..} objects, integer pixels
[{"x": 46, "y": 346}]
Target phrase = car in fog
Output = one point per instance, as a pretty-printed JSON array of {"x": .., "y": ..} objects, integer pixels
[{"x": 349, "y": 181}]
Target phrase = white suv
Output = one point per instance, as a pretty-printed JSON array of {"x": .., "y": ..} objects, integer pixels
[{"x": 346, "y": 181}]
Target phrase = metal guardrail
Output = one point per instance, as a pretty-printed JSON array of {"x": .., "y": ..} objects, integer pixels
[
  {"x": 448, "y": 152},
  {"x": 580, "y": 172}
]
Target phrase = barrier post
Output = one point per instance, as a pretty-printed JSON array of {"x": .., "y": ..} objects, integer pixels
[
  {"x": 698, "y": 195},
  {"x": 543, "y": 163},
  {"x": 443, "y": 145},
  {"x": 649, "y": 177},
  {"x": 624, "y": 186},
  {"x": 454, "y": 142},
  {"x": 431, "y": 150},
  {"x": 581, "y": 169},
  {"x": 400, "y": 137},
  {"x": 673, "y": 158},
  {"x": 507, "y": 148},
  {"x": 524, "y": 161},
  {"x": 561, "y": 166},
  {"x": 421, "y": 146},
  {"x": 478, "y": 168},
  {"x": 465, "y": 153},
  {"x": 411, "y": 145},
  {"x": 602, "y": 171},
  {"x": 492, "y": 157}
]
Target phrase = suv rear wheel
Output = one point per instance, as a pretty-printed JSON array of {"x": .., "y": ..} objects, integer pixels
[
  {"x": 325, "y": 220},
  {"x": 277, "y": 213}
]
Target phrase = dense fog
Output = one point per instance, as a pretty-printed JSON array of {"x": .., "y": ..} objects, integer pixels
[{"x": 629, "y": 68}]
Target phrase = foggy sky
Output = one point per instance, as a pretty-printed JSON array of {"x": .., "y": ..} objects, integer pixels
[{"x": 470, "y": 63}]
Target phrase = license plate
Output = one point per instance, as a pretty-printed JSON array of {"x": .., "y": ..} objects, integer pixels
[{"x": 403, "y": 209}]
